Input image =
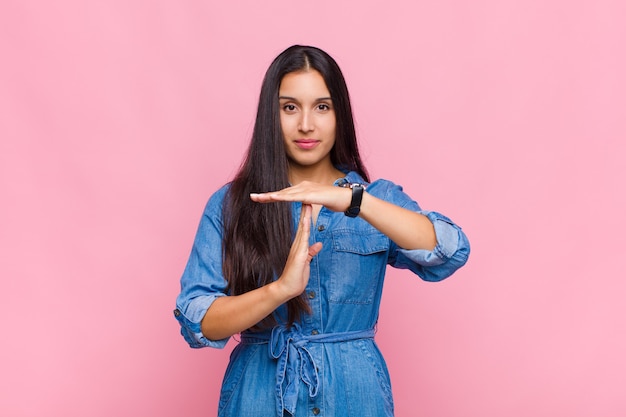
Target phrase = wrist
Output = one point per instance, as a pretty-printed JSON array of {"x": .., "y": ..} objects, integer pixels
[{"x": 279, "y": 292}]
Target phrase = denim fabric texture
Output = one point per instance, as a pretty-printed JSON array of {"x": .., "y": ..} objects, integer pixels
[{"x": 328, "y": 364}]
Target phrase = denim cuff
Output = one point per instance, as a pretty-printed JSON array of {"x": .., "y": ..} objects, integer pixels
[
  {"x": 447, "y": 234},
  {"x": 191, "y": 318}
]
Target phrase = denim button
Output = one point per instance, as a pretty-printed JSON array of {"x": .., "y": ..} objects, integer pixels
[
  {"x": 176, "y": 312},
  {"x": 316, "y": 411},
  {"x": 311, "y": 294},
  {"x": 321, "y": 227},
  {"x": 314, "y": 332}
]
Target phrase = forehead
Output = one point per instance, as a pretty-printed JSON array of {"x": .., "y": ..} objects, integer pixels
[{"x": 303, "y": 84}]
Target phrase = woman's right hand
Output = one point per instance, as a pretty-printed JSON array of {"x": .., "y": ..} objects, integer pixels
[
  {"x": 296, "y": 273},
  {"x": 234, "y": 314}
]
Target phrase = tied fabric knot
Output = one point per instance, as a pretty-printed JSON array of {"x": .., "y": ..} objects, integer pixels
[{"x": 287, "y": 345}]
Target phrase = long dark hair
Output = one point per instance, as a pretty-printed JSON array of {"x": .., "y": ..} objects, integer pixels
[{"x": 257, "y": 237}]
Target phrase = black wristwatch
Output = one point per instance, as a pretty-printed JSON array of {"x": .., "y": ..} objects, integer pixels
[{"x": 357, "y": 197}]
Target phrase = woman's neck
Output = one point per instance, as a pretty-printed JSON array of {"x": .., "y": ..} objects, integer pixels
[{"x": 321, "y": 175}]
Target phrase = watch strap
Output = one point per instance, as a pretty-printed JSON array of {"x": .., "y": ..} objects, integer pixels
[{"x": 357, "y": 196}]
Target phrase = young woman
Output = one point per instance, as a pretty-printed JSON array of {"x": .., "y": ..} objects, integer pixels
[{"x": 292, "y": 254}]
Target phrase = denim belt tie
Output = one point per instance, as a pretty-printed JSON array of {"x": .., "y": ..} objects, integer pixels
[{"x": 288, "y": 346}]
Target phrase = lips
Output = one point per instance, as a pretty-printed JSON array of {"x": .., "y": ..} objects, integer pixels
[{"x": 306, "y": 143}]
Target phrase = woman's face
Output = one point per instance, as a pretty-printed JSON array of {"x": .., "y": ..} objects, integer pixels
[{"x": 307, "y": 118}]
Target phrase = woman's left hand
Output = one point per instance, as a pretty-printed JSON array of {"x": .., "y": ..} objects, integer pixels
[
  {"x": 410, "y": 230},
  {"x": 331, "y": 197}
]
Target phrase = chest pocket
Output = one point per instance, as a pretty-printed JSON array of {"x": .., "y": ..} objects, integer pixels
[{"x": 359, "y": 260}]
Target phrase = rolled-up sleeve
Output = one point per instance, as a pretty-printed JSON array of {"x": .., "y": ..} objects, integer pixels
[
  {"x": 451, "y": 251},
  {"x": 202, "y": 281},
  {"x": 191, "y": 319}
]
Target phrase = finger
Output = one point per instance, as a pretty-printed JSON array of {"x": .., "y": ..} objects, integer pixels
[
  {"x": 301, "y": 239},
  {"x": 305, "y": 219},
  {"x": 295, "y": 193},
  {"x": 264, "y": 197},
  {"x": 314, "y": 249}
]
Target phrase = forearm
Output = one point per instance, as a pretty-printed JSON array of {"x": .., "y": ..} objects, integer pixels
[
  {"x": 408, "y": 229},
  {"x": 233, "y": 314}
]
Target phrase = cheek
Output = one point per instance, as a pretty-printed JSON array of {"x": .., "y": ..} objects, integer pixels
[
  {"x": 332, "y": 129},
  {"x": 286, "y": 124},
  {"x": 332, "y": 125}
]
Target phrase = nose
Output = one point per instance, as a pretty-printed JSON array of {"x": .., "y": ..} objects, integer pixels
[{"x": 306, "y": 122}]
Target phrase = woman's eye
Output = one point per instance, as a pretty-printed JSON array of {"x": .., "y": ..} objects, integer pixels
[
  {"x": 323, "y": 107},
  {"x": 289, "y": 107}
]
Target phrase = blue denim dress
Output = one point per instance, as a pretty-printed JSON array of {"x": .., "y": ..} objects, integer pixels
[{"x": 328, "y": 364}]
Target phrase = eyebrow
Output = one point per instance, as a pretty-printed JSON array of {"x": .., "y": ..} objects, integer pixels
[{"x": 295, "y": 99}]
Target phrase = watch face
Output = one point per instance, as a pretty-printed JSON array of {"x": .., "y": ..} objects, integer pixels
[{"x": 343, "y": 182}]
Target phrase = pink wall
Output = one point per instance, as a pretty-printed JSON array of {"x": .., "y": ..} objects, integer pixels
[{"x": 119, "y": 118}]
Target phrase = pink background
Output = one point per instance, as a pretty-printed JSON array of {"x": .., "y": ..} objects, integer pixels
[{"x": 119, "y": 118}]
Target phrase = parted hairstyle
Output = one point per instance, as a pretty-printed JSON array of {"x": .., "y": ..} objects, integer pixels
[{"x": 258, "y": 237}]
